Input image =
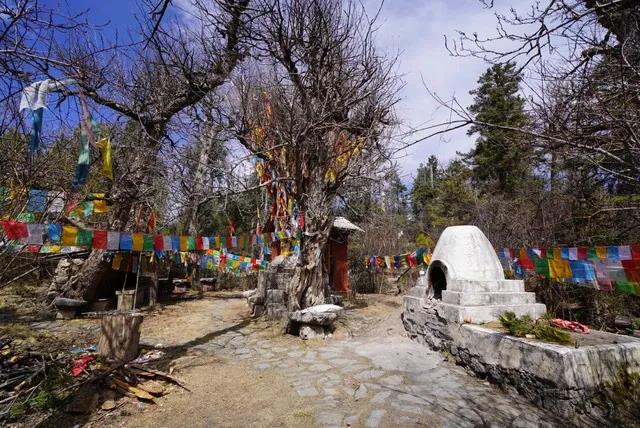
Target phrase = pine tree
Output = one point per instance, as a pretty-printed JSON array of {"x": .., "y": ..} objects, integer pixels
[{"x": 501, "y": 157}]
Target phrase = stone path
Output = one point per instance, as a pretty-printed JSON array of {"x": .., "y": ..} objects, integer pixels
[{"x": 376, "y": 379}]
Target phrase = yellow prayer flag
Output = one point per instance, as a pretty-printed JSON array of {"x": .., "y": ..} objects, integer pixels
[
  {"x": 100, "y": 206},
  {"x": 601, "y": 252},
  {"x": 117, "y": 261},
  {"x": 69, "y": 235},
  {"x": 557, "y": 254},
  {"x": 55, "y": 248},
  {"x": 138, "y": 241},
  {"x": 184, "y": 242},
  {"x": 107, "y": 157},
  {"x": 559, "y": 269}
]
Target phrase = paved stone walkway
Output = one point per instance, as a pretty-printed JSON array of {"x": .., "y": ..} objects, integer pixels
[{"x": 377, "y": 379}]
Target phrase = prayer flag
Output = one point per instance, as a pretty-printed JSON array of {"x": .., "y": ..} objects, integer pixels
[
  {"x": 175, "y": 242},
  {"x": 158, "y": 243},
  {"x": 54, "y": 231},
  {"x": 582, "y": 253},
  {"x": 167, "y": 243},
  {"x": 602, "y": 274},
  {"x": 113, "y": 240},
  {"x": 147, "y": 242},
  {"x": 36, "y": 128},
  {"x": 69, "y": 235},
  {"x": 557, "y": 253},
  {"x": 582, "y": 271},
  {"x": 100, "y": 206},
  {"x": 635, "y": 252},
  {"x": 564, "y": 253},
  {"x": 624, "y": 252},
  {"x": 84, "y": 238},
  {"x": 191, "y": 243},
  {"x": 138, "y": 242},
  {"x": 56, "y": 201},
  {"x": 612, "y": 252},
  {"x": 205, "y": 242},
  {"x": 559, "y": 269},
  {"x": 15, "y": 230},
  {"x": 573, "y": 253},
  {"x": 198, "y": 242},
  {"x": 37, "y": 200},
  {"x": 104, "y": 144},
  {"x": 228, "y": 242},
  {"x": 36, "y": 234},
  {"x": 100, "y": 238},
  {"x": 184, "y": 243},
  {"x": 126, "y": 241},
  {"x": 601, "y": 252},
  {"x": 542, "y": 267},
  {"x": 592, "y": 254}
]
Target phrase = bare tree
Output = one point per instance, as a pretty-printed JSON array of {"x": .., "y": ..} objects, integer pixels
[
  {"x": 147, "y": 82},
  {"x": 316, "y": 117}
]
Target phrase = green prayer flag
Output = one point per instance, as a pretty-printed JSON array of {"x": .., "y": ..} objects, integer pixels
[
  {"x": 591, "y": 253},
  {"x": 191, "y": 243},
  {"x": 542, "y": 266},
  {"x": 26, "y": 217},
  {"x": 625, "y": 287},
  {"x": 147, "y": 242},
  {"x": 84, "y": 238}
]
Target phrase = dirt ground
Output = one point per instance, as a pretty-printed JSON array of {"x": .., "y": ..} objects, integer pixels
[{"x": 244, "y": 372}]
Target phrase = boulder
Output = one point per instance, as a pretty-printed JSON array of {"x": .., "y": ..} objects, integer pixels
[
  {"x": 248, "y": 293},
  {"x": 311, "y": 332},
  {"x": 320, "y": 315}
]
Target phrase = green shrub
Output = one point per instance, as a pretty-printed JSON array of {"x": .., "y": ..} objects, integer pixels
[{"x": 541, "y": 329}]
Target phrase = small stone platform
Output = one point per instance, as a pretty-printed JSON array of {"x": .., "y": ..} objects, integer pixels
[{"x": 563, "y": 379}]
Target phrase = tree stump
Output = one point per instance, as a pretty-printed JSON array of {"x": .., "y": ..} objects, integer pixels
[{"x": 120, "y": 336}]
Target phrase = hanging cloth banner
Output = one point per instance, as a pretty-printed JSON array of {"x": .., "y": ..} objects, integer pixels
[
  {"x": 34, "y": 97},
  {"x": 87, "y": 139},
  {"x": 104, "y": 144}
]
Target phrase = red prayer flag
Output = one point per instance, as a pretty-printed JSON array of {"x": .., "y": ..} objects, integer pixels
[
  {"x": 525, "y": 261},
  {"x": 635, "y": 252},
  {"x": 158, "y": 242},
  {"x": 199, "y": 242},
  {"x": 229, "y": 242},
  {"x": 15, "y": 230},
  {"x": 151, "y": 224},
  {"x": 100, "y": 239},
  {"x": 582, "y": 253}
]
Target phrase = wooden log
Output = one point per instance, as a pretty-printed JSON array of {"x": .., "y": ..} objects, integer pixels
[{"x": 120, "y": 336}]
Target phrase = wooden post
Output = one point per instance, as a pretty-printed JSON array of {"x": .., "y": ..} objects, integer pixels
[
  {"x": 120, "y": 336},
  {"x": 153, "y": 291}
]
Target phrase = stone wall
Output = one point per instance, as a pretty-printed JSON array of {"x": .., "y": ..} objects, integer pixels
[{"x": 566, "y": 381}]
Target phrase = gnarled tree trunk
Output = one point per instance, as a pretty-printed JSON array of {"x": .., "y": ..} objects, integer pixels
[{"x": 307, "y": 286}]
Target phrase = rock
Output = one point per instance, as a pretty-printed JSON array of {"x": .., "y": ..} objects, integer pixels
[
  {"x": 78, "y": 262},
  {"x": 248, "y": 293},
  {"x": 61, "y": 278},
  {"x": 622, "y": 322},
  {"x": 51, "y": 295},
  {"x": 311, "y": 332},
  {"x": 108, "y": 405},
  {"x": 64, "y": 263},
  {"x": 323, "y": 315},
  {"x": 63, "y": 303},
  {"x": 316, "y": 319}
]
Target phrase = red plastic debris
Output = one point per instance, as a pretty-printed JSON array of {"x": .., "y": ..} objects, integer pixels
[
  {"x": 570, "y": 325},
  {"x": 81, "y": 364}
]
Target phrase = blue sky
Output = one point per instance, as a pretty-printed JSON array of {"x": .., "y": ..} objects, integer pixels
[{"x": 413, "y": 28}]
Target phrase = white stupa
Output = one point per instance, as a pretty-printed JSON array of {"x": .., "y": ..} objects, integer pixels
[{"x": 467, "y": 278}]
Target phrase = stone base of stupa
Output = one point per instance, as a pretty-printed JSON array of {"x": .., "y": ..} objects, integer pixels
[{"x": 466, "y": 301}]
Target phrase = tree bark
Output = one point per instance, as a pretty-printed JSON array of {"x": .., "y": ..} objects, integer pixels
[{"x": 307, "y": 286}]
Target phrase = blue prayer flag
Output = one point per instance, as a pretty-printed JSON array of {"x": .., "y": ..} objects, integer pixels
[{"x": 126, "y": 242}]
